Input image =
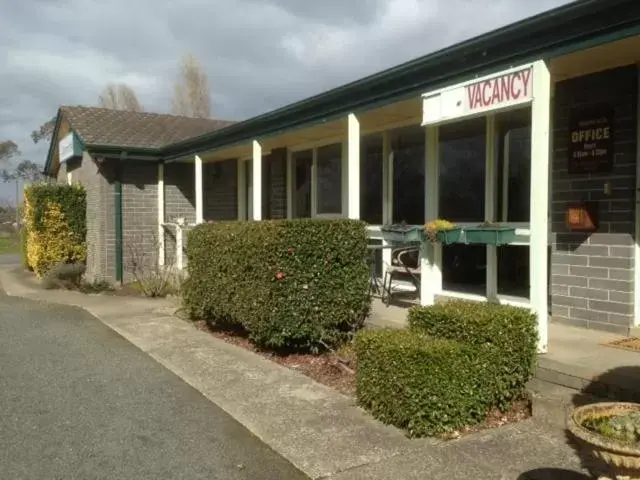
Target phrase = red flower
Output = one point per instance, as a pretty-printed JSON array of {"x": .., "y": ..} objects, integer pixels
[
  {"x": 290, "y": 249},
  {"x": 279, "y": 275}
]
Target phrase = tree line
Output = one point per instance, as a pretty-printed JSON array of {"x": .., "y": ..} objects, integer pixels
[{"x": 191, "y": 97}]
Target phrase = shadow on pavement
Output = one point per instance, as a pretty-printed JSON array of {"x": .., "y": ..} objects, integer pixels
[{"x": 552, "y": 474}]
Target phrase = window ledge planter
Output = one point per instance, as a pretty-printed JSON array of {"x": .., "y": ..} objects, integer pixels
[
  {"x": 402, "y": 233},
  {"x": 490, "y": 235},
  {"x": 615, "y": 460},
  {"x": 442, "y": 231}
]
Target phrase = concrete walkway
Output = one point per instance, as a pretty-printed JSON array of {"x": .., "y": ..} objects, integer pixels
[{"x": 320, "y": 431}]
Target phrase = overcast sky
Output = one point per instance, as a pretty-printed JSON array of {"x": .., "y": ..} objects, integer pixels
[{"x": 258, "y": 54}]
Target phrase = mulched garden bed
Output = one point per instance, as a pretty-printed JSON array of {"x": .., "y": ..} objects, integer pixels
[{"x": 338, "y": 372}]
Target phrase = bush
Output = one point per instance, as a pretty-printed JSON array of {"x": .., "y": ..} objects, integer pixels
[
  {"x": 301, "y": 284},
  {"x": 423, "y": 385},
  {"x": 23, "y": 248},
  {"x": 55, "y": 223},
  {"x": 64, "y": 275},
  {"x": 505, "y": 336}
]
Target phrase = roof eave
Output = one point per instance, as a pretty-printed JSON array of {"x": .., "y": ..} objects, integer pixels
[{"x": 542, "y": 36}]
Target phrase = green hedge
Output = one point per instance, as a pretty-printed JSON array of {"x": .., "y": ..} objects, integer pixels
[
  {"x": 425, "y": 386},
  {"x": 289, "y": 283},
  {"x": 506, "y": 337}
]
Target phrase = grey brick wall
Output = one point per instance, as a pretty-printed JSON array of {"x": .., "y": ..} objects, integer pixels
[
  {"x": 220, "y": 190},
  {"x": 592, "y": 274},
  {"x": 139, "y": 215},
  {"x": 275, "y": 202}
]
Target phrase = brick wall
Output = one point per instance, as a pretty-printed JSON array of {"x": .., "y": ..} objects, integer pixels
[
  {"x": 592, "y": 274},
  {"x": 220, "y": 190},
  {"x": 276, "y": 200}
]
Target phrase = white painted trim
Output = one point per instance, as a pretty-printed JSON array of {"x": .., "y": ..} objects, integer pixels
[
  {"x": 431, "y": 272},
  {"x": 179, "y": 247},
  {"x": 462, "y": 295},
  {"x": 289, "y": 184},
  {"x": 199, "y": 191},
  {"x": 160, "y": 187},
  {"x": 387, "y": 196},
  {"x": 256, "y": 164},
  {"x": 490, "y": 190},
  {"x": 69, "y": 178},
  {"x": 353, "y": 167},
  {"x": 540, "y": 162},
  {"x": 636, "y": 248},
  {"x": 242, "y": 189}
]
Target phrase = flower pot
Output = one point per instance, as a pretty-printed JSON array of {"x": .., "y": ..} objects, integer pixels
[
  {"x": 449, "y": 236},
  {"x": 614, "y": 459},
  {"x": 403, "y": 234},
  {"x": 490, "y": 235}
]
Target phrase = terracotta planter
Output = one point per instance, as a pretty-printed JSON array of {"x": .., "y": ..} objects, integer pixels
[{"x": 621, "y": 461}]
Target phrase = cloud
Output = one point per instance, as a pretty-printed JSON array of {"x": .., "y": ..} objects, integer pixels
[{"x": 258, "y": 54}]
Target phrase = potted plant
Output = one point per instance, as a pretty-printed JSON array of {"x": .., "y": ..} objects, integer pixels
[
  {"x": 442, "y": 231},
  {"x": 490, "y": 234},
  {"x": 403, "y": 233},
  {"x": 609, "y": 432}
]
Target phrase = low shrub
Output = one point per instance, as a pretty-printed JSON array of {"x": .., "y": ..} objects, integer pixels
[
  {"x": 296, "y": 284},
  {"x": 23, "y": 248},
  {"x": 423, "y": 385},
  {"x": 64, "y": 275},
  {"x": 506, "y": 338}
]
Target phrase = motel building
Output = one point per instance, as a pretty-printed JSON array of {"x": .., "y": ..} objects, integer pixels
[{"x": 533, "y": 126}]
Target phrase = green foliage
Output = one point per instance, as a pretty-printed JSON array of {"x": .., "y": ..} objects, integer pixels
[
  {"x": 55, "y": 223},
  {"x": 423, "y": 385},
  {"x": 505, "y": 336},
  {"x": 455, "y": 363},
  {"x": 23, "y": 248},
  {"x": 300, "y": 284}
]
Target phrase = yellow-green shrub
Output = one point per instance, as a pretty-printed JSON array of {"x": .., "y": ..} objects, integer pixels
[{"x": 55, "y": 226}]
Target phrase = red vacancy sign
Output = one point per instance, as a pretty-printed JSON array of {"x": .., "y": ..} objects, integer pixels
[{"x": 500, "y": 91}]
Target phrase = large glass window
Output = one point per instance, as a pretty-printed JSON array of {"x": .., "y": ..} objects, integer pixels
[
  {"x": 408, "y": 176},
  {"x": 302, "y": 165},
  {"x": 514, "y": 165},
  {"x": 513, "y": 271},
  {"x": 462, "y": 168},
  {"x": 329, "y": 179},
  {"x": 371, "y": 180}
]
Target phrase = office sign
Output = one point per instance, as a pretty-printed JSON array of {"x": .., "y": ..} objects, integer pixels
[
  {"x": 591, "y": 139},
  {"x": 69, "y": 147}
]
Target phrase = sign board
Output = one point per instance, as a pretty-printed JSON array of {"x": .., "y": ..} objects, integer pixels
[
  {"x": 504, "y": 90},
  {"x": 591, "y": 140},
  {"x": 69, "y": 147}
]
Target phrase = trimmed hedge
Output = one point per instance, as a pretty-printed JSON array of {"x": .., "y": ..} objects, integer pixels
[
  {"x": 423, "y": 385},
  {"x": 55, "y": 224},
  {"x": 506, "y": 336},
  {"x": 455, "y": 363},
  {"x": 301, "y": 284}
]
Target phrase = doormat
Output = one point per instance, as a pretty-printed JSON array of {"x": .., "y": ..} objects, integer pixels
[{"x": 631, "y": 343}]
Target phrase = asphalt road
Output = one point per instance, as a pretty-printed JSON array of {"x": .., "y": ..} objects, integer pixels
[{"x": 77, "y": 401}]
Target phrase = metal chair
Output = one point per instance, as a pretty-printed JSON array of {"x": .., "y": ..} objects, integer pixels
[{"x": 405, "y": 263}]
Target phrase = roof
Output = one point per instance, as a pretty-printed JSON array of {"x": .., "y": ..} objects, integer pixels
[
  {"x": 120, "y": 128},
  {"x": 576, "y": 26}
]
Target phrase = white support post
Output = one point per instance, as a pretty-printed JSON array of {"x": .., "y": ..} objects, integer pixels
[
  {"x": 179, "y": 247},
  {"x": 242, "y": 189},
  {"x": 539, "y": 239},
  {"x": 491, "y": 182},
  {"x": 430, "y": 271},
  {"x": 387, "y": 195},
  {"x": 199, "y": 195},
  {"x": 256, "y": 164},
  {"x": 636, "y": 248},
  {"x": 160, "y": 214},
  {"x": 353, "y": 166}
]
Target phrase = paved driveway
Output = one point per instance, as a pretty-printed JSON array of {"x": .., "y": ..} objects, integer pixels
[{"x": 77, "y": 401}]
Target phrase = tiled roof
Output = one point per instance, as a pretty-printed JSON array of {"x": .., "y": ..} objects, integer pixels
[{"x": 120, "y": 128}]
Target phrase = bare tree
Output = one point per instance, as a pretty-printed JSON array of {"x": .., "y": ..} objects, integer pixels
[
  {"x": 45, "y": 131},
  {"x": 119, "y": 97},
  {"x": 191, "y": 90},
  {"x": 151, "y": 278},
  {"x": 25, "y": 171}
]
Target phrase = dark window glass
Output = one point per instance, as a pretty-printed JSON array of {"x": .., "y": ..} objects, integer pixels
[
  {"x": 329, "y": 181},
  {"x": 302, "y": 162},
  {"x": 462, "y": 171},
  {"x": 464, "y": 268},
  {"x": 371, "y": 180},
  {"x": 408, "y": 177},
  {"x": 513, "y": 271}
]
